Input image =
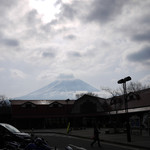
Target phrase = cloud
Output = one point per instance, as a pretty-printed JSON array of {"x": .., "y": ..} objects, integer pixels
[
  {"x": 141, "y": 56},
  {"x": 134, "y": 22},
  {"x": 99, "y": 11},
  {"x": 145, "y": 19},
  {"x": 104, "y": 11},
  {"x": 68, "y": 11},
  {"x": 113, "y": 35},
  {"x": 72, "y": 10},
  {"x": 15, "y": 73},
  {"x": 48, "y": 54},
  {"x": 41, "y": 55},
  {"x": 32, "y": 17},
  {"x": 47, "y": 28},
  {"x": 2, "y": 69},
  {"x": 70, "y": 37},
  {"x": 74, "y": 54},
  {"x": 7, "y": 5},
  {"x": 146, "y": 80},
  {"x": 9, "y": 42},
  {"x": 64, "y": 76},
  {"x": 45, "y": 75},
  {"x": 142, "y": 37}
]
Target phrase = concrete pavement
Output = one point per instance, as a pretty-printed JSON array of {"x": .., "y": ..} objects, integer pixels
[{"x": 137, "y": 141}]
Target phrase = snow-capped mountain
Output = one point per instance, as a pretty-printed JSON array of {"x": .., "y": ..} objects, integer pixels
[{"x": 60, "y": 90}]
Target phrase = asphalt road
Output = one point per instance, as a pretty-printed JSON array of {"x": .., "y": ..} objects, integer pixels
[{"x": 61, "y": 141}]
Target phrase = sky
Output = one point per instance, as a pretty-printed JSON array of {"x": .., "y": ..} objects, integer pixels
[{"x": 97, "y": 41}]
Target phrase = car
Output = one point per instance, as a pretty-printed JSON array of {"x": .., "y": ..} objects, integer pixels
[{"x": 9, "y": 133}]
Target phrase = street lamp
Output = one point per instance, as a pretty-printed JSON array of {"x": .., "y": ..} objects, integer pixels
[{"x": 123, "y": 82}]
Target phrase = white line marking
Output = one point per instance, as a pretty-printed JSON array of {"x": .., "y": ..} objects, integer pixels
[{"x": 79, "y": 148}]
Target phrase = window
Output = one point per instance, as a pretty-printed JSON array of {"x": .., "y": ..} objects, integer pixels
[
  {"x": 28, "y": 105},
  {"x": 55, "y": 105}
]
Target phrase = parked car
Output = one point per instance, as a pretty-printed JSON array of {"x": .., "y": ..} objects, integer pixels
[{"x": 9, "y": 133}]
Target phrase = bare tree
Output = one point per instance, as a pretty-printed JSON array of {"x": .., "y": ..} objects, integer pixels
[
  {"x": 3, "y": 100},
  {"x": 88, "y": 93},
  {"x": 133, "y": 90},
  {"x": 112, "y": 92},
  {"x": 131, "y": 87},
  {"x": 136, "y": 87},
  {"x": 2, "y": 97}
]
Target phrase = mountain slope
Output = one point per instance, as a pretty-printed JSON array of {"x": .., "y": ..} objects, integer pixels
[{"x": 60, "y": 89}]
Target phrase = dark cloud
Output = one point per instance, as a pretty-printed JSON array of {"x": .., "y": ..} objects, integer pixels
[
  {"x": 68, "y": 11},
  {"x": 12, "y": 42},
  {"x": 103, "y": 11},
  {"x": 74, "y": 54},
  {"x": 54, "y": 22},
  {"x": 141, "y": 56},
  {"x": 145, "y": 19},
  {"x": 70, "y": 37},
  {"x": 141, "y": 37},
  {"x": 31, "y": 17},
  {"x": 46, "y": 27},
  {"x": 58, "y": 2},
  {"x": 48, "y": 54},
  {"x": 6, "y": 5}
]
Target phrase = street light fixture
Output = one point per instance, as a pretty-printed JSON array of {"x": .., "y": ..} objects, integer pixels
[{"x": 123, "y": 81}]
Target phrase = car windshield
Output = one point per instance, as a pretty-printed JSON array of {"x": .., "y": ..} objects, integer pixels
[{"x": 11, "y": 128}]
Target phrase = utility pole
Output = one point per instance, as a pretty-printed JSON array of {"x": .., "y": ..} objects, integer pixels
[{"x": 123, "y": 82}]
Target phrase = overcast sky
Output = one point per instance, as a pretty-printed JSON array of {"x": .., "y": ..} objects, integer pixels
[{"x": 97, "y": 41}]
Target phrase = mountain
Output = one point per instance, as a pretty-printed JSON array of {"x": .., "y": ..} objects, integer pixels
[{"x": 60, "y": 90}]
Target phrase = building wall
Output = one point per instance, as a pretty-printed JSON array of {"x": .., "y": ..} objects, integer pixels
[
  {"x": 40, "y": 116},
  {"x": 88, "y": 104}
]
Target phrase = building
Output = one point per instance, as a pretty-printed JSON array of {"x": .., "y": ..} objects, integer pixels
[
  {"x": 137, "y": 110},
  {"x": 41, "y": 113},
  {"x": 57, "y": 113},
  {"x": 83, "y": 112},
  {"x": 89, "y": 109}
]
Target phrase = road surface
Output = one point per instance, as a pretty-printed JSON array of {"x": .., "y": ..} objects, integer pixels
[{"x": 61, "y": 141}]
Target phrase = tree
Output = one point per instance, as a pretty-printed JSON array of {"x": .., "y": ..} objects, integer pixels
[
  {"x": 5, "y": 109},
  {"x": 88, "y": 93},
  {"x": 4, "y": 101},
  {"x": 2, "y": 97},
  {"x": 131, "y": 87},
  {"x": 136, "y": 87}
]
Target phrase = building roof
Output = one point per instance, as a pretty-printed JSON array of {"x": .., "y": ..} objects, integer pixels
[
  {"x": 142, "y": 102},
  {"x": 88, "y": 103},
  {"x": 101, "y": 100},
  {"x": 41, "y": 102}
]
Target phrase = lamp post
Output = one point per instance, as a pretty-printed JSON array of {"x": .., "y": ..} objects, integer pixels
[{"x": 123, "y": 82}]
